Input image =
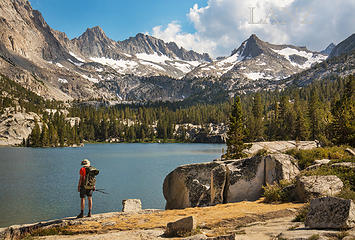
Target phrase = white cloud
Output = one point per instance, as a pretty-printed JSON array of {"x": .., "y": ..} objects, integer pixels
[
  {"x": 173, "y": 33},
  {"x": 222, "y": 25}
]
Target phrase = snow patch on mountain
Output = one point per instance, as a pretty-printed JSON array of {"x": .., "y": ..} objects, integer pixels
[
  {"x": 311, "y": 57},
  {"x": 183, "y": 67},
  {"x": 152, "y": 65},
  {"x": 91, "y": 79},
  {"x": 257, "y": 76},
  {"x": 62, "y": 80},
  {"x": 153, "y": 57},
  {"x": 119, "y": 65},
  {"x": 59, "y": 65},
  {"x": 74, "y": 55}
]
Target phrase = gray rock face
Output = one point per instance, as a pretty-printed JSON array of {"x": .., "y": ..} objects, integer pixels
[
  {"x": 308, "y": 187},
  {"x": 331, "y": 212},
  {"x": 94, "y": 42},
  {"x": 184, "y": 225},
  {"x": 345, "y": 46},
  {"x": 280, "y": 166},
  {"x": 195, "y": 185},
  {"x": 15, "y": 126},
  {"x": 211, "y": 183},
  {"x": 131, "y": 205},
  {"x": 328, "y": 49},
  {"x": 142, "y": 43},
  {"x": 246, "y": 179}
]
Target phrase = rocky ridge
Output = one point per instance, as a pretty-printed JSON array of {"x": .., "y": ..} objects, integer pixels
[
  {"x": 16, "y": 125},
  {"x": 256, "y": 61},
  {"x": 94, "y": 66},
  {"x": 346, "y": 46}
]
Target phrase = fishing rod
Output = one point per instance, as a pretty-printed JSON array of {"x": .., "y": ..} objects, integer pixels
[{"x": 101, "y": 190}]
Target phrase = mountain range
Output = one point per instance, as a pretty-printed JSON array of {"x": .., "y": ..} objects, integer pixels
[{"x": 140, "y": 68}]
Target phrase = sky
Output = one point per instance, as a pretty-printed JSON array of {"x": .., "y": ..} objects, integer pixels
[{"x": 213, "y": 26}]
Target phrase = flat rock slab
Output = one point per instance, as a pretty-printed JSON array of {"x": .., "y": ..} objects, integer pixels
[
  {"x": 306, "y": 234},
  {"x": 331, "y": 212},
  {"x": 151, "y": 234},
  {"x": 280, "y": 146}
]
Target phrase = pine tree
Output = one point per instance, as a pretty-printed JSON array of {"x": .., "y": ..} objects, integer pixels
[
  {"x": 343, "y": 125},
  {"x": 236, "y": 133},
  {"x": 315, "y": 115},
  {"x": 44, "y": 139},
  {"x": 301, "y": 132},
  {"x": 257, "y": 123},
  {"x": 35, "y": 136}
]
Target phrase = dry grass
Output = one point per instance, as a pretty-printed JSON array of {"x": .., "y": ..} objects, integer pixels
[{"x": 221, "y": 218}]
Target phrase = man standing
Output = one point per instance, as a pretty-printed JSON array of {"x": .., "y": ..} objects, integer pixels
[{"x": 82, "y": 190}]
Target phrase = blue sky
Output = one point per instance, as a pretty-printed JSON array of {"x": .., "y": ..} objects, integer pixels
[
  {"x": 212, "y": 26},
  {"x": 119, "y": 19}
]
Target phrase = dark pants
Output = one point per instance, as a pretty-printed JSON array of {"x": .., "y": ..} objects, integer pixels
[{"x": 85, "y": 192}]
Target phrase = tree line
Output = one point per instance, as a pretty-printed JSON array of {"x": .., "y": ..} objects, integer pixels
[{"x": 323, "y": 110}]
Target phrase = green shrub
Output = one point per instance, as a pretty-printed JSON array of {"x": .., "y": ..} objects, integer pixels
[
  {"x": 306, "y": 157},
  {"x": 302, "y": 214},
  {"x": 347, "y": 193},
  {"x": 261, "y": 152},
  {"x": 278, "y": 192}
]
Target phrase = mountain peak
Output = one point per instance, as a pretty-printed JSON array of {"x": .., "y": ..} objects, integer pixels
[
  {"x": 343, "y": 47},
  {"x": 329, "y": 49},
  {"x": 97, "y": 31},
  {"x": 253, "y": 37},
  {"x": 251, "y": 47}
]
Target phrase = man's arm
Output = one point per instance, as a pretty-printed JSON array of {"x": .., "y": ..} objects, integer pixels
[{"x": 81, "y": 179}]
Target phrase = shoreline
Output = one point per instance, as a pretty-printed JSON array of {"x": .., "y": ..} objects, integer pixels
[{"x": 83, "y": 144}]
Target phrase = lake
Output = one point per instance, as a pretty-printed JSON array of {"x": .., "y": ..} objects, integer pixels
[{"x": 41, "y": 183}]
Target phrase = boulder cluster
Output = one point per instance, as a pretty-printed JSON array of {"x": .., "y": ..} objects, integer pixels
[{"x": 208, "y": 184}]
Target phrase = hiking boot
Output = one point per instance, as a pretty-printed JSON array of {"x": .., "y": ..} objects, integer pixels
[
  {"x": 89, "y": 214},
  {"x": 80, "y": 215}
]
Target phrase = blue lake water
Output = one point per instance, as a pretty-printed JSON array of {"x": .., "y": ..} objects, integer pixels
[{"x": 41, "y": 184}]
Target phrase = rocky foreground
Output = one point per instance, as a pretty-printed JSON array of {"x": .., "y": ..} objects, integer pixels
[
  {"x": 243, "y": 220},
  {"x": 151, "y": 224}
]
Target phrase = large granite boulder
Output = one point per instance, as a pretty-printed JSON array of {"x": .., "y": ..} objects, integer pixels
[
  {"x": 195, "y": 185},
  {"x": 331, "y": 212},
  {"x": 207, "y": 184},
  {"x": 246, "y": 178},
  {"x": 280, "y": 167},
  {"x": 308, "y": 187}
]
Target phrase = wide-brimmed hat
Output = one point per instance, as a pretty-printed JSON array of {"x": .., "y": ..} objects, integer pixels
[{"x": 85, "y": 163}]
